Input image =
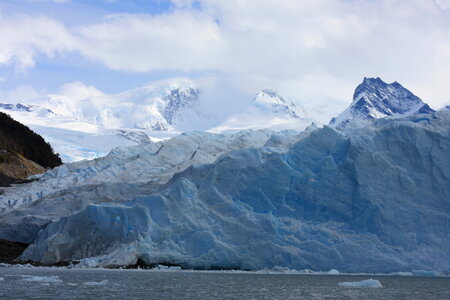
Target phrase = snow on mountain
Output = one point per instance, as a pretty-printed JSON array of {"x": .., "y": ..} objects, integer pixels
[
  {"x": 154, "y": 107},
  {"x": 372, "y": 197},
  {"x": 267, "y": 110},
  {"x": 72, "y": 139},
  {"x": 90, "y": 126},
  {"x": 374, "y": 98}
]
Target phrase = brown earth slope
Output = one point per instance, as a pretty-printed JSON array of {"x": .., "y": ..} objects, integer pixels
[{"x": 22, "y": 152}]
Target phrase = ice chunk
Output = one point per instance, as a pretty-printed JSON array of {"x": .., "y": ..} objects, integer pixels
[
  {"x": 401, "y": 274},
  {"x": 47, "y": 279},
  {"x": 1, "y": 278},
  {"x": 96, "y": 283},
  {"x": 333, "y": 272},
  {"x": 372, "y": 283},
  {"x": 425, "y": 273},
  {"x": 167, "y": 268},
  {"x": 89, "y": 262}
]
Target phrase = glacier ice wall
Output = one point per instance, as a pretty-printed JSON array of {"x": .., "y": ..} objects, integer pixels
[
  {"x": 372, "y": 198},
  {"x": 25, "y": 209}
]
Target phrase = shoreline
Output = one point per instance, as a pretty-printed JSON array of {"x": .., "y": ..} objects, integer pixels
[{"x": 164, "y": 269}]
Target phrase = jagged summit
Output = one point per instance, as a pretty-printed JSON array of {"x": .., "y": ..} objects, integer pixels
[
  {"x": 178, "y": 100},
  {"x": 374, "y": 98}
]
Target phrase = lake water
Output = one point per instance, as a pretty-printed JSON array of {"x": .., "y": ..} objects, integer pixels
[{"x": 59, "y": 283}]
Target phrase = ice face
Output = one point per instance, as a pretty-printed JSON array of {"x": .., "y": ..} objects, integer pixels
[
  {"x": 125, "y": 172},
  {"x": 372, "y": 198}
]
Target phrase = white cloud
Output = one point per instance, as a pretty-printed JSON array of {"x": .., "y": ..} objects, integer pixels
[
  {"x": 444, "y": 4},
  {"x": 24, "y": 37},
  {"x": 22, "y": 93},
  {"x": 309, "y": 49},
  {"x": 79, "y": 91},
  {"x": 182, "y": 40}
]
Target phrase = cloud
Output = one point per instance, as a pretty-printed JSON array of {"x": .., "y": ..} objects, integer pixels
[
  {"x": 182, "y": 40},
  {"x": 24, "y": 37},
  {"x": 284, "y": 40},
  {"x": 444, "y": 4},
  {"x": 310, "y": 49},
  {"x": 22, "y": 93}
]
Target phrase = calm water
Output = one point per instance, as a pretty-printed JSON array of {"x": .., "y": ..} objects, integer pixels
[{"x": 139, "y": 284}]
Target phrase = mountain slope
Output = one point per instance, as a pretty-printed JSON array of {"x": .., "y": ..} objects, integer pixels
[
  {"x": 22, "y": 152},
  {"x": 267, "y": 110},
  {"x": 374, "y": 98},
  {"x": 369, "y": 198},
  {"x": 89, "y": 126}
]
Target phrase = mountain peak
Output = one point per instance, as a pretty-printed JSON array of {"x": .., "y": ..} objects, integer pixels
[
  {"x": 268, "y": 97},
  {"x": 374, "y": 98},
  {"x": 272, "y": 101},
  {"x": 179, "y": 99}
]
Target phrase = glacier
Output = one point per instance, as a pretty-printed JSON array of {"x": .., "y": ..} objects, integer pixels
[
  {"x": 125, "y": 171},
  {"x": 370, "y": 197}
]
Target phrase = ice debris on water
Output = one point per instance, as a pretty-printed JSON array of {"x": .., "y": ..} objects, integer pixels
[
  {"x": 333, "y": 272},
  {"x": 425, "y": 273},
  {"x": 96, "y": 283},
  {"x": 370, "y": 283},
  {"x": 46, "y": 279}
]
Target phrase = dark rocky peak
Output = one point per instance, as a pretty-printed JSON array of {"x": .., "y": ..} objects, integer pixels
[{"x": 178, "y": 100}]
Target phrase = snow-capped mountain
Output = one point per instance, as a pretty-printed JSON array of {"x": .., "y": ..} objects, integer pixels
[
  {"x": 267, "y": 110},
  {"x": 71, "y": 138},
  {"x": 351, "y": 199},
  {"x": 150, "y": 108},
  {"x": 89, "y": 126},
  {"x": 374, "y": 98}
]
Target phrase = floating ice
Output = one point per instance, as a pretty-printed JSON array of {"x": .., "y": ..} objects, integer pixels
[
  {"x": 425, "y": 273},
  {"x": 167, "y": 268},
  {"x": 47, "y": 279},
  {"x": 96, "y": 283},
  {"x": 1, "y": 278},
  {"x": 333, "y": 272},
  {"x": 401, "y": 274},
  {"x": 371, "y": 283}
]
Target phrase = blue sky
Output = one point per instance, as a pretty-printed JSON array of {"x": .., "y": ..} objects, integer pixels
[{"x": 316, "y": 51}]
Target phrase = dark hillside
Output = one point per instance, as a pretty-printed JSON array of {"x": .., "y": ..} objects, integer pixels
[
  {"x": 22, "y": 152},
  {"x": 18, "y": 138}
]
